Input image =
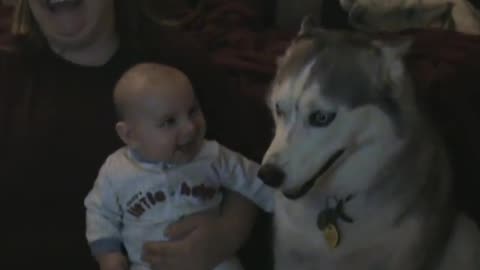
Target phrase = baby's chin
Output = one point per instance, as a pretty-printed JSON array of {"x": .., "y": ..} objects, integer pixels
[
  {"x": 186, "y": 154},
  {"x": 181, "y": 158}
]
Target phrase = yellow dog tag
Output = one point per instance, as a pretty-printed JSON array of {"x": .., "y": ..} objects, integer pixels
[{"x": 331, "y": 236}]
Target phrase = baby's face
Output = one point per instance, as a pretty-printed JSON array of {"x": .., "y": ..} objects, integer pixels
[{"x": 169, "y": 125}]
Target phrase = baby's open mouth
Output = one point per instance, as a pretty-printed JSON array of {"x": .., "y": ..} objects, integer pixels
[
  {"x": 191, "y": 147},
  {"x": 298, "y": 193},
  {"x": 184, "y": 148}
]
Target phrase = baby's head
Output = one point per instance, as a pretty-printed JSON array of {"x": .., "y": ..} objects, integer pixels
[{"x": 159, "y": 116}]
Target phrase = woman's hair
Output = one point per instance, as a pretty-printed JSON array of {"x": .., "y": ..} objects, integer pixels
[{"x": 29, "y": 36}]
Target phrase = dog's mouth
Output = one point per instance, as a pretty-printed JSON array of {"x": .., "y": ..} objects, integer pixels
[{"x": 294, "y": 195}]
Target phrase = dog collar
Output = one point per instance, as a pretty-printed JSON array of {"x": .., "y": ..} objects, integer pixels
[{"x": 328, "y": 218}]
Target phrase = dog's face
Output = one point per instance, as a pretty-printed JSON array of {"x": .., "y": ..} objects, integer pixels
[{"x": 335, "y": 105}]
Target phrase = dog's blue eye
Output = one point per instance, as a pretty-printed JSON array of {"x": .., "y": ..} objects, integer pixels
[{"x": 321, "y": 118}]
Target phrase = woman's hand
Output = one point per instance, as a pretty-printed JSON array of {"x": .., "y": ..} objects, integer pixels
[
  {"x": 202, "y": 241},
  {"x": 113, "y": 261},
  {"x": 190, "y": 247}
]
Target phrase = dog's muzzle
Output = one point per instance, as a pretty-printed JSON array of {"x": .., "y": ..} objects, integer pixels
[
  {"x": 271, "y": 175},
  {"x": 305, "y": 188}
]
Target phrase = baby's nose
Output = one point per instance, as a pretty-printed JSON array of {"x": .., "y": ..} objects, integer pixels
[
  {"x": 188, "y": 127},
  {"x": 189, "y": 131}
]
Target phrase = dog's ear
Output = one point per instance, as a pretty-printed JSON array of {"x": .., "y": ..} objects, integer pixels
[
  {"x": 394, "y": 49},
  {"x": 393, "y": 52},
  {"x": 279, "y": 60},
  {"x": 308, "y": 25}
]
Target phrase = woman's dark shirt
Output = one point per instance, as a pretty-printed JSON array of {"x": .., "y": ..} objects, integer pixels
[{"x": 57, "y": 127}]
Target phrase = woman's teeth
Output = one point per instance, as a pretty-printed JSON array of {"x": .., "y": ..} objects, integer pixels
[{"x": 54, "y": 5}]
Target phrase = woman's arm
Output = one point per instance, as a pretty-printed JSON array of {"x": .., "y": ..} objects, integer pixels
[
  {"x": 234, "y": 227},
  {"x": 112, "y": 261},
  {"x": 204, "y": 241}
]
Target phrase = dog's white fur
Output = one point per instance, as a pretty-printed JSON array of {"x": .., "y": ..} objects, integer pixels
[
  {"x": 375, "y": 167},
  {"x": 466, "y": 18}
]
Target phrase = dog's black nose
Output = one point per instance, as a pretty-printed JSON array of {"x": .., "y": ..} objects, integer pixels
[{"x": 271, "y": 175}]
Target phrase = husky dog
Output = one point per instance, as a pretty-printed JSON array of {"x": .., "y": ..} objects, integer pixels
[
  {"x": 396, "y": 15},
  {"x": 362, "y": 179}
]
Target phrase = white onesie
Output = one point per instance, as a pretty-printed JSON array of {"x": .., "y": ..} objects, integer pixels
[{"x": 133, "y": 202}]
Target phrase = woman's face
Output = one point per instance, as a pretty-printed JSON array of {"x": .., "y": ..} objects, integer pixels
[{"x": 73, "y": 23}]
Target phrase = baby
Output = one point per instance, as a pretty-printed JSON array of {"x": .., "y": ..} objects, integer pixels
[{"x": 167, "y": 169}]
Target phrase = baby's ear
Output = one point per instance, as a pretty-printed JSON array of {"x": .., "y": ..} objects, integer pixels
[{"x": 124, "y": 132}]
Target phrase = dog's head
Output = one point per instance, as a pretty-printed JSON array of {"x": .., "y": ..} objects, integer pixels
[{"x": 338, "y": 101}]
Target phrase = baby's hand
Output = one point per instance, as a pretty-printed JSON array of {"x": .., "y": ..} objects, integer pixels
[{"x": 113, "y": 261}]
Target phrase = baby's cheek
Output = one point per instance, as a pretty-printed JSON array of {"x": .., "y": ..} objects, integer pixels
[
  {"x": 170, "y": 149},
  {"x": 162, "y": 149}
]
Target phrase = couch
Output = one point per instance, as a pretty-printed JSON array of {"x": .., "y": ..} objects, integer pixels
[{"x": 445, "y": 67}]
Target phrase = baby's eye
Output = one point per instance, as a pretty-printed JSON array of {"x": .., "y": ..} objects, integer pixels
[{"x": 169, "y": 122}]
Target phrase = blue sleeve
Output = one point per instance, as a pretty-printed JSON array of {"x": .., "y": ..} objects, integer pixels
[
  {"x": 103, "y": 216},
  {"x": 237, "y": 173}
]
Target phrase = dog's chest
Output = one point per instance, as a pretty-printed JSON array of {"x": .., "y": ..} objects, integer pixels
[
  {"x": 297, "y": 239},
  {"x": 306, "y": 221},
  {"x": 300, "y": 244}
]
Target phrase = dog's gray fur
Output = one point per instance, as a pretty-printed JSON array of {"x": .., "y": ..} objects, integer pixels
[{"x": 394, "y": 163}]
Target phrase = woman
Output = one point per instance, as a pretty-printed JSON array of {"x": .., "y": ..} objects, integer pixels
[{"x": 56, "y": 126}]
